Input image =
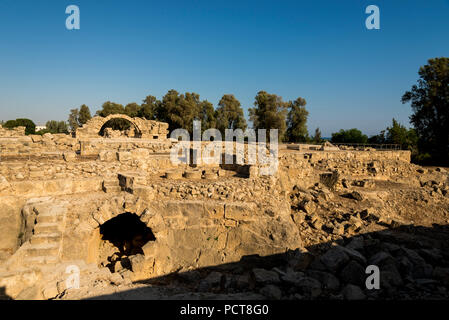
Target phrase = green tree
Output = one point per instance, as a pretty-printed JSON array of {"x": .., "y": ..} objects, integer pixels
[
  {"x": 150, "y": 108},
  {"x": 54, "y": 126},
  {"x": 109, "y": 108},
  {"x": 207, "y": 115},
  {"x": 78, "y": 117},
  {"x": 398, "y": 134},
  {"x": 429, "y": 100},
  {"x": 83, "y": 115},
  {"x": 269, "y": 113},
  {"x": 317, "y": 136},
  {"x": 10, "y": 124},
  {"x": 73, "y": 119},
  {"x": 378, "y": 138},
  {"x": 229, "y": 114},
  {"x": 349, "y": 136},
  {"x": 179, "y": 110},
  {"x": 297, "y": 121},
  {"x": 30, "y": 127},
  {"x": 132, "y": 109}
]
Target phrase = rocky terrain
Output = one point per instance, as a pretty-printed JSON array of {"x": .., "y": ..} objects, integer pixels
[
  {"x": 134, "y": 225},
  {"x": 402, "y": 230}
]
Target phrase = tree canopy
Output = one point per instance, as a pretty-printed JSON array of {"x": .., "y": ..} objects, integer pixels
[
  {"x": 229, "y": 114},
  {"x": 429, "y": 100},
  {"x": 54, "y": 126},
  {"x": 77, "y": 118},
  {"x": 179, "y": 110},
  {"x": 317, "y": 137},
  {"x": 297, "y": 121},
  {"x": 269, "y": 113},
  {"x": 349, "y": 136},
  {"x": 30, "y": 127}
]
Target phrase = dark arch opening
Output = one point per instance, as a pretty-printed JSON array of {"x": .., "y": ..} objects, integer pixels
[
  {"x": 127, "y": 234},
  {"x": 116, "y": 127}
]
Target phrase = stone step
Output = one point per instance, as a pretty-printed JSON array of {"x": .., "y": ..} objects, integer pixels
[
  {"x": 40, "y": 260},
  {"x": 46, "y": 218},
  {"x": 112, "y": 189},
  {"x": 46, "y": 227},
  {"x": 54, "y": 237},
  {"x": 56, "y": 210},
  {"x": 112, "y": 182},
  {"x": 43, "y": 249}
]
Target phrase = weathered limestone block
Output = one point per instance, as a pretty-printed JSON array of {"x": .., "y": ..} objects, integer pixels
[
  {"x": 214, "y": 210},
  {"x": 124, "y": 156},
  {"x": 139, "y": 153},
  {"x": 11, "y": 226},
  {"x": 241, "y": 211},
  {"x": 4, "y": 184},
  {"x": 192, "y": 174},
  {"x": 174, "y": 174},
  {"x": 69, "y": 156},
  {"x": 36, "y": 138},
  {"x": 107, "y": 156},
  {"x": 16, "y": 283}
]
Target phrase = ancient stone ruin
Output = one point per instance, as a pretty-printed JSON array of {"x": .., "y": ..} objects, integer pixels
[{"x": 133, "y": 224}]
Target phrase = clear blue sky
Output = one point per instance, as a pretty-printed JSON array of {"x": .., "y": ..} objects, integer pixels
[{"x": 125, "y": 50}]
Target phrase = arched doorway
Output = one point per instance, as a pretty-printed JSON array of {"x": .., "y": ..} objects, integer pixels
[
  {"x": 121, "y": 237},
  {"x": 119, "y": 127}
]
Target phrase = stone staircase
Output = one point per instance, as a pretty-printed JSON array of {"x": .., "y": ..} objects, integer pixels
[{"x": 46, "y": 242}]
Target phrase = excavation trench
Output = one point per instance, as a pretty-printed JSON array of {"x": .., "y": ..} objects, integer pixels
[{"x": 122, "y": 237}]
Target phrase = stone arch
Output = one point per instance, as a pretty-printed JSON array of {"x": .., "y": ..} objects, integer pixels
[
  {"x": 131, "y": 121},
  {"x": 146, "y": 128},
  {"x": 108, "y": 210}
]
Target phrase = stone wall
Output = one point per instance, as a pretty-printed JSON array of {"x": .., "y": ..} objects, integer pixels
[
  {"x": 96, "y": 146},
  {"x": 189, "y": 234},
  {"x": 14, "y": 132},
  {"x": 305, "y": 167}
]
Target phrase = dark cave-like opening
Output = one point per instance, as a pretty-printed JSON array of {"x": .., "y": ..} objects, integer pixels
[{"x": 127, "y": 234}]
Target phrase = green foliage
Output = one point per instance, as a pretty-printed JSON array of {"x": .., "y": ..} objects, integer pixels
[
  {"x": 297, "y": 121},
  {"x": 149, "y": 108},
  {"x": 109, "y": 108},
  {"x": 398, "y": 134},
  {"x": 77, "y": 118},
  {"x": 269, "y": 113},
  {"x": 84, "y": 115},
  {"x": 132, "y": 109},
  {"x": 54, "y": 126},
  {"x": 179, "y": 111},
  {"x": 73, "y": 119},
  {"x": 349, "y": 136},
  {"x": 378, "y": 138},
  {"x": 10, "y": 124},
  {"x": 317, "y": 136},
  {"x": 30, "y": 127},
  {"x": 207, "y": 115},
  {"x": 429, "y": 100},
  {"x": 229, "y": 114}
]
